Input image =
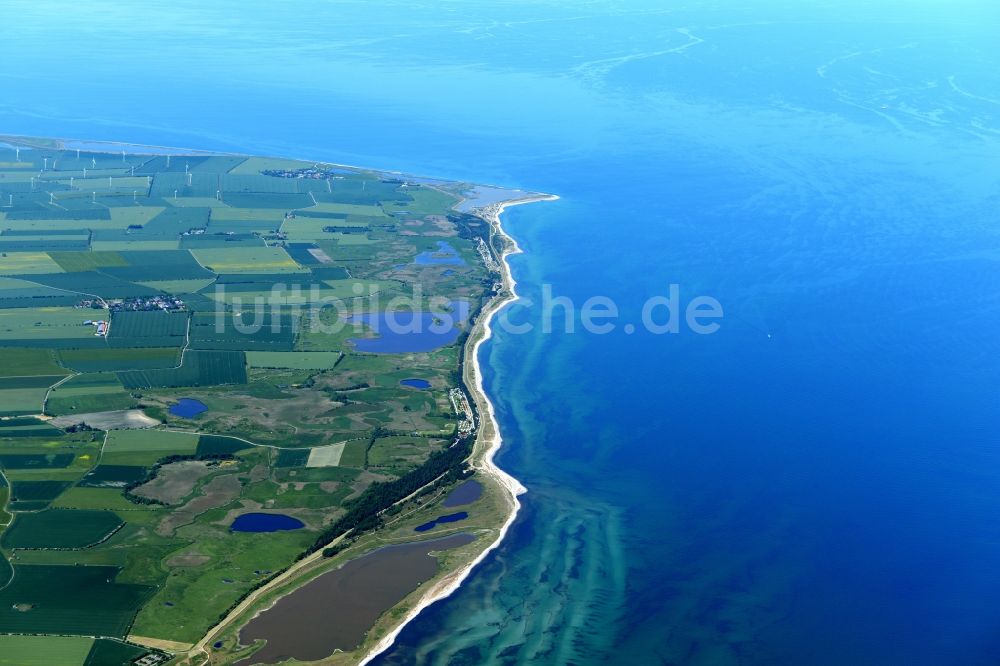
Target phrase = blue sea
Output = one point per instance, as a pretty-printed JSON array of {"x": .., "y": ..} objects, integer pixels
[{"x": 818, "y": 482}]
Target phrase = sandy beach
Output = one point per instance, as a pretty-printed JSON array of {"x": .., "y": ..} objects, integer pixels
[{"x": 489, "y": 440}]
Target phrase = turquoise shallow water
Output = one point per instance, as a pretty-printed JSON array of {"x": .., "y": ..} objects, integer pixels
[{"x": 818, "y": 482}]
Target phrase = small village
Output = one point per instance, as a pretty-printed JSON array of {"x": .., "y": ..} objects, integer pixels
[
  {"x": 313, "y": 173},
  {"x": 163, "y": 302}
]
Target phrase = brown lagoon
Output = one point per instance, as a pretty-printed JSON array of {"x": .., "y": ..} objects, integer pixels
[{"x": 334, "y": 611}]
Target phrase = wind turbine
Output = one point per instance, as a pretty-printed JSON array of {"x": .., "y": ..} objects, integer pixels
[
  {"x": 45, "y": 163},
  {"x": 17, "y": 154}
]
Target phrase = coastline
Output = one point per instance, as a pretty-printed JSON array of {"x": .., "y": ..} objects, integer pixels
[
  {"x": 489, "y": 439},
  {"x": 487, "y": 443}
]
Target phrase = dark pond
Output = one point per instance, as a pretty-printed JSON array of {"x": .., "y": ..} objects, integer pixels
[
  {"x": 421, "y": 384},
  {"x": 441, "y": 520},
  {"x": 188, "y": 408},
  {"x": 445, "y": 254},
  {"x": 404, "y": 332},
  {"x": 467, "y": 492},
  {"x": 334, "y": 611},
  {"x": 265, "y": 522}
]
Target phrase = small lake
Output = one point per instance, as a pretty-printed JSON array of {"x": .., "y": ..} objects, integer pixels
[
  {"x": 445, "y": 254},
  {"x": 188, "y": 408},
  {"x": 466, "y": 492},
  {"x": 421, "y": 384},
  {"x": 265, "y": 522},
  {"x": 406, "y": 332},
  {"x": 441, "y": 520}
]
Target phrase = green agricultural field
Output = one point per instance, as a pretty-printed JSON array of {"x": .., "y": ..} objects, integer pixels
[
  {"x": 27, "y": 263},
  {"x": 92, "y": 392},
  {"x": 67, "y": 221},
  {"x": 44, "y": 650},
  {"x": 60, "y": 528},
  {"x": 247, "y": 260},
  {"x": 73, "y": 262},
  {"x": 37, "y": 324},
  {"x": 256, "y": 214},
  {"x": 198, "y": 368},
  {"x": 135, "y": 215},
  {"x": 178, "y": 286},
  {"x": 113, "y": 360},
  {"x": 292, "y": 458},
  {"x": 254, "y": 165},
  {"x": 27, "y": 427},
  {"x": 107, "y": 499},
  {"x": 304, "y": 227},
  {"x": 294, "y": 360},
  {"x": 35, "y": 493},
  {"x": 353, "y": 454},
  {"x": 132, "y": 326},
  {"x": 29, "y": 382},
  {"x": 126, "y": 245},
  {"x": 349, "y": 209},
  {"x": 17, "y": 292},
  {"x": 69, "y": 600},
  {"x": 159, "y": 441},
  {"x": 269, "y": 332},
  {"x": 15, "y": 402},
  {"x": 126, "y": 531},
  {"x": 31, "y": 361},
  {"x": 213, "y": 445},
  {"x": 17, "y": 461}
]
